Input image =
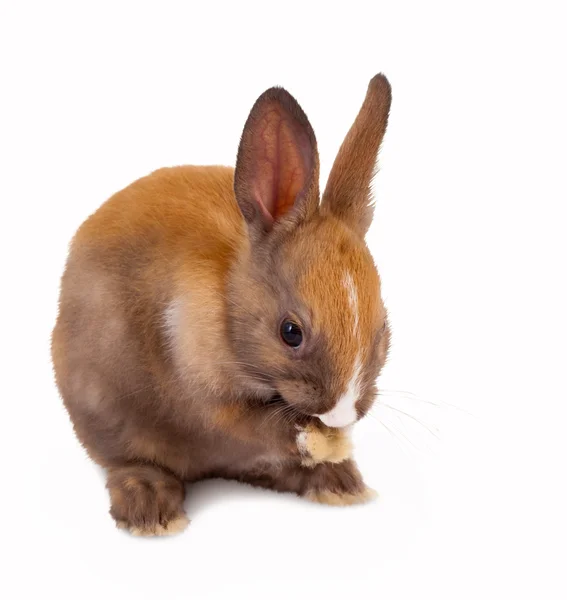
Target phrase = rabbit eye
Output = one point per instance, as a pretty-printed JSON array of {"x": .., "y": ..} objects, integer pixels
[{"x": 291, "y": 333}]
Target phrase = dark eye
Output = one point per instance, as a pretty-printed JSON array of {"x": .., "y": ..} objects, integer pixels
[{"x": 291, "y": 333}]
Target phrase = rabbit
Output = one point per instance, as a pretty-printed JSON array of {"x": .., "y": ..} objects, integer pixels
[{"x": 228, "y": 323}]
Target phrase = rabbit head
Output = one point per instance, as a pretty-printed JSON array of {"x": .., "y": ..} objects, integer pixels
[{"x": 305, "y": 315}]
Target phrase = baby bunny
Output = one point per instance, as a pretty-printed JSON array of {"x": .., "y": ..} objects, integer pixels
[{"x": 219, "y": 322}]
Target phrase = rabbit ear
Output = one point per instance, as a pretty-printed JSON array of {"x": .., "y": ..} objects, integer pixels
[
  {"x": 347, "y": 194},
  {"x": 277, "y": 168}
]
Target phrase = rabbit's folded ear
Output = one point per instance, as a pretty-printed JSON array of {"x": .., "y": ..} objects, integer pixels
[
  {"x": 277, "y": 168},
  {"x": 348, "y": 194}
]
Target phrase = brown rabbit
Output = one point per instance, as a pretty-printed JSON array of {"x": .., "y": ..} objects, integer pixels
[{"x": 225, "y": 323}]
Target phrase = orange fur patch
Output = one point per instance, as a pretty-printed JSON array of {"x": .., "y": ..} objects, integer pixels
[{"x": 324, "y": 289}]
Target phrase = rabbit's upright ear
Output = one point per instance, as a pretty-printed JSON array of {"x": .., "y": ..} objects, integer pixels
[
  {"x": 277, "y": 169},
  {"x": 348, "y": 194}
]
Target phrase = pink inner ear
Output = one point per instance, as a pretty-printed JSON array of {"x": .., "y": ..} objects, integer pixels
[
  {"x": 282, "y": 163},
  {"x": 265, "y": 210}
]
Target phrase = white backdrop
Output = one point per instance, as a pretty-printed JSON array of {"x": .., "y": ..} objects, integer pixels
[{"x": 469, "y": 237}]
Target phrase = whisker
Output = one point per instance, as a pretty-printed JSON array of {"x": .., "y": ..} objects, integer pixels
[
  {"x": 434, "y": 431},
  {"x": 395, "y": 437},
  {"x": 411, "y": 396},
  {"x": 400, "y": 431}
]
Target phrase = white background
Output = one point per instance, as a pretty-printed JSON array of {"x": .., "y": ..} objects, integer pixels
[{"x": 469, "y": 237}]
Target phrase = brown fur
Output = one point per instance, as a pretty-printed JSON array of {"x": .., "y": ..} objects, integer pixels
[{"x": 167, "y": 351}]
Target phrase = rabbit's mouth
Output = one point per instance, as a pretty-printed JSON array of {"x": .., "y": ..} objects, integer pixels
[{"x": 275, "y": 400}]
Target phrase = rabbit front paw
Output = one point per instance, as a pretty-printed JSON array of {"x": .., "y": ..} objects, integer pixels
[{"x": 318, "y": 445}]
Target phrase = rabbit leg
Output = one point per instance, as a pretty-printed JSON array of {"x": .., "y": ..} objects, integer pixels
[
  {"x": 146, "y": 500},
  {"x": 307, "y": 441},
  {"x": 337, "y": 484}
]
